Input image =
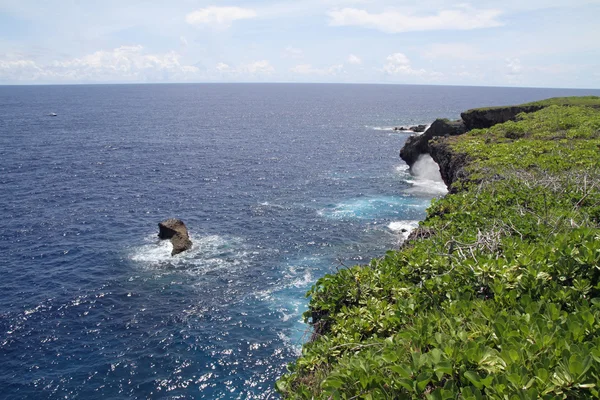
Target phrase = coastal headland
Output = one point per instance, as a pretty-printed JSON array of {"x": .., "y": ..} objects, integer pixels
[{"x": 496, "y": 295}]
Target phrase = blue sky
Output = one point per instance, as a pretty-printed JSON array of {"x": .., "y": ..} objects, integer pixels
[{"x": 538, "y": 43}]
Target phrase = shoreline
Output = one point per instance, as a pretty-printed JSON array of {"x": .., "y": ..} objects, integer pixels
[{"x": 495, "y": 287}]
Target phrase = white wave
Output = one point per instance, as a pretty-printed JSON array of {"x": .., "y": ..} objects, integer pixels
[
  {"x": 402, "y": 168},
  {"x": 207, "y": 253},
  {"x": 294, "y": 345},
  {"x": 426, "y": 177},
  {"x": 403, "y": 226},
  {"x": 369, "y": 207},
  {"x": 394, "y": 128},
  {"x": 427, "y": 186},
  {"x": 303, "y": 281}
]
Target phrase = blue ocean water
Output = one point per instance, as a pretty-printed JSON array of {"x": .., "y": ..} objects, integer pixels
[{"x": 277, "y": 183}]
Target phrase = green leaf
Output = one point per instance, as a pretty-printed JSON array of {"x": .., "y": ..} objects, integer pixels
[
  {"x": 390, "y": 357},
  {"x": 423, "y": 380},
  {"x": 333, "y": 383},
  {"x": 474, "y": 378},
  {"x": 402, "y": 370}
]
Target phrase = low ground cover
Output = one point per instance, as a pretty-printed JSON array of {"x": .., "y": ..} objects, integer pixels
[{"x": 498, "y": 294}]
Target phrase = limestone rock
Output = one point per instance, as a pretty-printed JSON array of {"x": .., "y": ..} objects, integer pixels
[
  {"x": 487, "y": 117},
  {"x": 175, "y": 230},
  {"x": 418, "y": 128},
  {"x": 419, "y": 144}
]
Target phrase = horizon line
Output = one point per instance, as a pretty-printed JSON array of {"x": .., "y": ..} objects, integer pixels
[{"x": 285, "y": 83}]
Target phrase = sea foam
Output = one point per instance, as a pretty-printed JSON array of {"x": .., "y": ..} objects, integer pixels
[
  {"x": 425, "y": 177},
  {"x": 207, "y": 253}
]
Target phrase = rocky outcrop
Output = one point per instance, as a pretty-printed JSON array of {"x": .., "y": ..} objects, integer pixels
[
  {"x": 419, "y": 144},
  {"x": 416, "y": 128},
  {"x": 452, "y": 165},
  {"x": 487, "y": 117},
  {"x": 175, "y": 230}
]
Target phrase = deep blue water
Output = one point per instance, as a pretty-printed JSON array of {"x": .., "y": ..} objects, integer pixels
[{"x": 277, "y": 183}]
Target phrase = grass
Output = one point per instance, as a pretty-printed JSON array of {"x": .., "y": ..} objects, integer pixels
[{"x": 501, "y": 302}]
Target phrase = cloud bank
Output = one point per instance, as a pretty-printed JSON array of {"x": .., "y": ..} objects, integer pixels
[
  {"x": 123, "y": 64},
  {"x": 221, "y": 17},
  {"x": 392, "y": 21}
]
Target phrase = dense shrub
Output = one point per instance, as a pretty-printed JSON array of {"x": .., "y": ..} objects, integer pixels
[{"x": 502, "y": 302}]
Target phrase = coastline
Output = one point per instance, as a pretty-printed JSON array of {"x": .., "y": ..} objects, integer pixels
[{"x": 496, "y": 288}]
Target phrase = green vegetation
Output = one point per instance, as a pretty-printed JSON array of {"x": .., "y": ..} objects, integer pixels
[
  {"x": 497, "y": 296},
  {"x": 583, "y": 101},
  {"x": 593, "y": 101}
]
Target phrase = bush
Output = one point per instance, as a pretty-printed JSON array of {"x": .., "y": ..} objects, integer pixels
[{"x": 501, "y": 302}]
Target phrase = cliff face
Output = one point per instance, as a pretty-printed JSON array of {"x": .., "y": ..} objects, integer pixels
[
  {"x": 419, "y": 144},
  {"x": 452, "y": 165},
  {"x": 487, "y": 117},
  {"x": 433, "y": 140}
]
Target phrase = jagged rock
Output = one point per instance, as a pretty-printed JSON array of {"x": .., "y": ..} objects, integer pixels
[
  {"x": 487, "y": 117},
  {"x": 432, "y": 141},
  {"x": 418, "y": 128},
  {"x": 175, "y": 230},
  {"x": 452, "y": 165},
  {"x": 419, "y": 144}
]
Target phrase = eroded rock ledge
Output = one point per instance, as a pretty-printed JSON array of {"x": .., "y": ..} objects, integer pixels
[
  {"x": 175, "y": 230},
  {"x": 419, "y": 144},
  {"x": 451, "y": 164}
]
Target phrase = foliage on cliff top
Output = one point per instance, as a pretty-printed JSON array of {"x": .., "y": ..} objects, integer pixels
[
  {"x": 501, "y": 297},
  {"x": 553, "y": 139},
  {"x": 584, "y": 101},
  {"x": 568, "y": 101}
]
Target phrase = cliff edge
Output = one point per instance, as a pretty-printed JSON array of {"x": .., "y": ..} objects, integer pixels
[{"x": 498, "y": 297}]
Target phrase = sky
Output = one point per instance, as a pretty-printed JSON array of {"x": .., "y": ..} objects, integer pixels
[{"x": 531, "y": 43}]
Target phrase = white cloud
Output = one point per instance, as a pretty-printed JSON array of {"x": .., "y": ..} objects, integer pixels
[
  {"x": 460, "y": 51},
  {"x": 123, "y": 64},
  {"x": 222, "y": 67},
  {"x": 292, "y": 52},
  {"x": 308, "y": 69},
  {"x": 20, "y": 70},
  {"x": 392, "y": 21},
  {"x": 262, "y": 67},
  {"x": 352, "y": 59},
  {"x": 514, "y": 67},
  {"x": 219, "y": 16},
  {"x": 399, "y": 64},
  {"x": 258, "y": 67}
]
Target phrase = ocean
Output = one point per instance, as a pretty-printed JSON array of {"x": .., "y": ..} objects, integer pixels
[{"x": 278, "y": 185}]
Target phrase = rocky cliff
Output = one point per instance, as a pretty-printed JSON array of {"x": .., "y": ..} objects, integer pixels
[
  {"x": 479, "y": 118},
  {"x": 419, "y": 144},
  {"x": 443, "y": 315},
  {"x": 432, "y": 141}
]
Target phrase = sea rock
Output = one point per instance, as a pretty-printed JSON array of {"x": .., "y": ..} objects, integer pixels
[
  {"x": 175, "y": 230},
  {"x": 419, "y": 144},
  {"x": 418, "y": 128}
]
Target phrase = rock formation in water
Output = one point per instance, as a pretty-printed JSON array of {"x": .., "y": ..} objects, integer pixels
[
  {"x": 175, "y": 230},
  {"x": 419, "y": 144},
  {"x": 416, "y": 128}
]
